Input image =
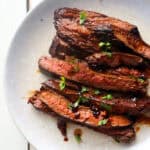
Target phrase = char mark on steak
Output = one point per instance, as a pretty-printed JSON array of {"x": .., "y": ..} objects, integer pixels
[
  {"x": 96, "y": 28},
  {"x": 116, "y": 126},
  {"x": 81, "y": 73}
]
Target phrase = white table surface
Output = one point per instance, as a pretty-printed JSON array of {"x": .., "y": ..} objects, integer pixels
[{"x": 12, "y": 12}]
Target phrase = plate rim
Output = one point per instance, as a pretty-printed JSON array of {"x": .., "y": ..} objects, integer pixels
[{"x": 6, "y": 61}]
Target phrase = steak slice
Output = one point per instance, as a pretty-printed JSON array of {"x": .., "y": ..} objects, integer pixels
[
  {"x": 127, "y": 72},
  {"x": 114, "y": 59},
  {"x": 118, "y": 104},
  {"x": 81, "y": 73},
  {"x": 60, "y": 49},
  {"x": 116, "y": 126},
  {"x": 97, "y": 27}
]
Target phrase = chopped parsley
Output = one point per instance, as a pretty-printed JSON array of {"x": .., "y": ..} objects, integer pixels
[
  {"x": 105, "y": 45},
  {"x": 77, "y": 135},
  {"x": 78, "y": 138},
  {"x": 106, "y": 107},
  {"x": 84, "y": 89},
  {"x": 70, "y": 106},
  {"x": 76, "y": 104},
  {"x": 101, "y": 44},
  {"x": 62, "y": 83},
  {"x": 102, "y": 122},
  {"x": 106, "y": 48},
  {"x": 83, "y": 17},
  {"x": 108, "y": 97},
  {"x": 81, "y": 99},
  {"x": 137, "y": 79},
  {"x": 97, "y": 92},
  {"x": 141, "y": 80}
]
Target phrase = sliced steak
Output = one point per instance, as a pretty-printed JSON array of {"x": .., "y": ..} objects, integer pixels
[
  {"x": 127, "y": 72},
  {"x": 101, "y": 65},
  {"x": 97, "y": 27},
  {"x": 60, "y": 49},
  {"x": 114, "y": 59},
  {"x": 116, "y": 126},
  {"x": 81, "y": 73},
  {"x": 118, "y": 104}
]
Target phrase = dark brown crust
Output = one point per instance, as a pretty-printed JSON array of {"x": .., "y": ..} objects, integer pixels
[
  {"x": 96, "y": 27},
  {"x": 59, "y": 105},
  {"x": 86, "y": 76},
  {"x": 117, "y": 59},
  {"x": 120, "y": 103},
  {"x": 60, "y": 48}
]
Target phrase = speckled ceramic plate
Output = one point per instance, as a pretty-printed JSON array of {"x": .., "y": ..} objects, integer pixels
[{"x": 32, "y": 40}]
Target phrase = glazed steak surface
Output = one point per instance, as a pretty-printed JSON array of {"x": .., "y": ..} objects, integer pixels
[
  {"x": 116, "y": 59},
  {"x": 60, "y": 49},
  {"x": 117, "y": 126},
  {"x": 118, "y": 104},
  {"x": 96, "y": 28},
  {"x": 80, "y": 72}
]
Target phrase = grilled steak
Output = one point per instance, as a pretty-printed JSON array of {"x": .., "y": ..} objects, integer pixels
[
  {"x": 116, "y": 126},
  {"x": 127, "y": 72},
  {"x": 63, "y": 51},
  {"x": 97, "y": 27},
  {"x": 113, "y": 60},
  {"x": 119, "y": 103},
  {"x": 60, "y": 49},
  {"x": 81, "y": 73}
]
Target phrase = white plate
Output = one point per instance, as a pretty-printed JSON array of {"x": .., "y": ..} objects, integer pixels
[{"x": 32, "y": 40}]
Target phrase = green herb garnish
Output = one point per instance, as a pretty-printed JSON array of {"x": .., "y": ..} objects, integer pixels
[
  {"x": 62, "y": 83},
  {"x": 78, "y": 138},
  {"x": 102, "y": 122},
  {"x": 70, "y": 106},
  {"x": 83, "y": 17},
  {"x": 137, "y": 79},
  {"x": 106, "y": 107},
  {"x": 81, "y": 99},
  {"x": 97, "y": 92},
  {"x": 105, "y": 45},
  {"x": 141, "y": 80},
  {"x": 76, "y": 104},
  {"x": 108, "y": 97},
  {"x": 101, "y": 44},
  {"x": 84, "y": 89},
  {"x": 106, "y": 48}
]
